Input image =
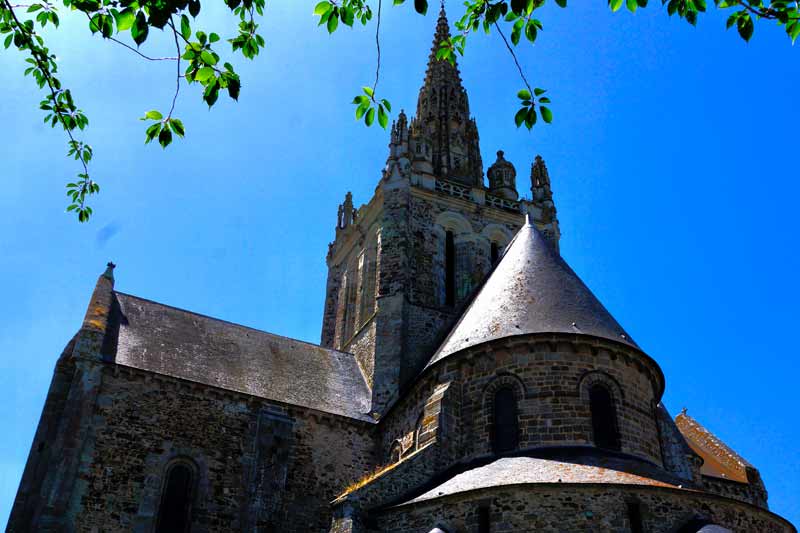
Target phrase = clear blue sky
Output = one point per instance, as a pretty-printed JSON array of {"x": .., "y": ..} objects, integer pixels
[{"x": 673, "y": 158}]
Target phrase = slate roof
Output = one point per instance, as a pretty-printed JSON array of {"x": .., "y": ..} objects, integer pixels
[
  {"x": 532, "y": 290},
  {"x": 173, "y": 342},
  {"x": 720, "y": 459},
  {"x": 580, "y": 469}
]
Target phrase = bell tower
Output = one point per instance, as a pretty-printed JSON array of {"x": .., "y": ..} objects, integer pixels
[{"x": 403, "y": 266}]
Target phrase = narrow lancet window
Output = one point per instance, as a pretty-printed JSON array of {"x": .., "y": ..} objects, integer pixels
[
  {"x": 495, "y": 253},
  {"x": 604, "y": 418},
  {"x": 484, "y": 522},
  {"x": 449, "y": 269},
  {"x": 635, "y": 517},
  {"x": 506, "y": 424},
  {"x": 174, "y": 512}
]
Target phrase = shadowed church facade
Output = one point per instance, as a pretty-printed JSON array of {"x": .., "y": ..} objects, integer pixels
[{"x": 466, "y": 381}]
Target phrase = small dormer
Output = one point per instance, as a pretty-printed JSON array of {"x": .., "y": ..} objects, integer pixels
[{"x": 502, "y": 178}]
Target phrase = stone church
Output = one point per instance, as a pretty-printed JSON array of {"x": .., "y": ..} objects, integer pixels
[{"x": 467, "y": 381}]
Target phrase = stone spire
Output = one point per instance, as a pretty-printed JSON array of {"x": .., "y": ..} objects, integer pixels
[{"x": 443, "y": 132}]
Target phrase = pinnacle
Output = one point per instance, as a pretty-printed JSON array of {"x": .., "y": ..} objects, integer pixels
[{"x": 442, "y": 33}]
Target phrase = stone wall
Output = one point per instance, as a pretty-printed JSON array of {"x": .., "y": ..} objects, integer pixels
[
  {"x": 564, "y": 507},
  {"x": 260, "y": 464},
  {"x": 549, "y": 378}
]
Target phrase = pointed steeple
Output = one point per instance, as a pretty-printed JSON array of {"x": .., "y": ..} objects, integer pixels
[
  {"x": 440, "y": 74},
  {"x": 532, "y": 290},
  {"x": 443, "y": 131}
]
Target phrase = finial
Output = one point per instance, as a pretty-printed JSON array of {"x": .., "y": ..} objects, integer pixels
[
  {"x": 109, "y": 273},
  {"x": 683, "y": 411},
  {"x": 527, "y": 218},
  {"x": 500, "y": 154}
]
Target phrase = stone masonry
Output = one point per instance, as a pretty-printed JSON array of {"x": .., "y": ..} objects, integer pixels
[{"x": 467, "y": 380}]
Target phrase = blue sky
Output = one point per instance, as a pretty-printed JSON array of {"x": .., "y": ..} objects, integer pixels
[{"x": 673, "y": 157}]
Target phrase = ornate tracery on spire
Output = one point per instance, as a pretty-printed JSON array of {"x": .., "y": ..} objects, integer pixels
[{"x": 443, "y": 132}]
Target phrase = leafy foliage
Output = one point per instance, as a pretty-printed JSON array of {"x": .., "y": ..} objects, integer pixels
[{"x": 20, "y": 26}]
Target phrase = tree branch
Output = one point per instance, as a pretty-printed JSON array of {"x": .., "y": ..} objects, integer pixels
[
  {"x": 378, "y": 46},
  {"x": 513, "y": 55},
  {"x": 132, "y": 49},
  {"x": 178, "y": 64}
]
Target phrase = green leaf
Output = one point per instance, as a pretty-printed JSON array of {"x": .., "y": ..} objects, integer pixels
[
  {"x": 360, "y": 110},
  {"x": 152, "y": 131},
  {"x": 333, "y": 23},
  {"x": 547, "y": 115},
  {"x": 632, "y": 5},
  {"x": 208, "y": 58},
  {"x": 519, "y": 118},
  {"x": 386, "y": 104},
  {"x": 793, "y": 30},
  {"x": 321, "y": 8},
  {"x": 421, "y": 7},
  {"x": 383, "y": 118},
  {"x": 165, "y": 137},
  {"x": 561, "y": 3},
  {"x": 370, "y": 118},
  {"x": 186, "y": 28},
  {"x": 213, "y": 37},
  {"x": 615, "y": 4},
  {"x": 538, "y": 91},
  {"x": 125, "y": 19},
  {"x": 369, "y": 92},
  {"x": 153, "y": 115},
  {"x": 139, "y": 29},
  {"x": 524, "y": 94},
  {"x": 177, "y": 127},
  {"x": 530, "y": 117},
  {"x": 518, "y": 6},
  {"x": 204, "y": 74},
  {"x": 530, "y": 31},
  {"x": 348, "y": 16},
  {"x": 745, "y": 26}
]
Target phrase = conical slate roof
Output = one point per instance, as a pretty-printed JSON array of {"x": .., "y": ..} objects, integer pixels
[{"x": 532, "y": 290}]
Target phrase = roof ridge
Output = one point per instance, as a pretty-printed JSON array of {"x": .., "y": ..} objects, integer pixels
[{"x": 201, "y": 315}]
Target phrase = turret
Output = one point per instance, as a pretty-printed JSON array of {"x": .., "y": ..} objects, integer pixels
[
  {"x": 543, "y": 206},
  {"x": 502, "y": 178},
  {"x": 347, "y": 214}
]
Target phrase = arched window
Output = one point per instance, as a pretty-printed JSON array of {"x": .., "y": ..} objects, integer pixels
[
  {"x": 368, "y": 279},
  {"x": 449, "y": 269},
  {"x": 604, "y": 418},
  {"x": 635, "y": 517},
  {"x": 484, "y": 520},
  {"x": 395, "y": 453},
  {"x": 495, "y": 254},
  {"x": 506, "y": 426},
  {"x": 174, "y": 511}
]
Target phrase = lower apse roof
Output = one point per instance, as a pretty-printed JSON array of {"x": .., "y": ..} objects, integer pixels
[
  {"x": 173, "y": 342},
  {"x": 578, "y": 469}
]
